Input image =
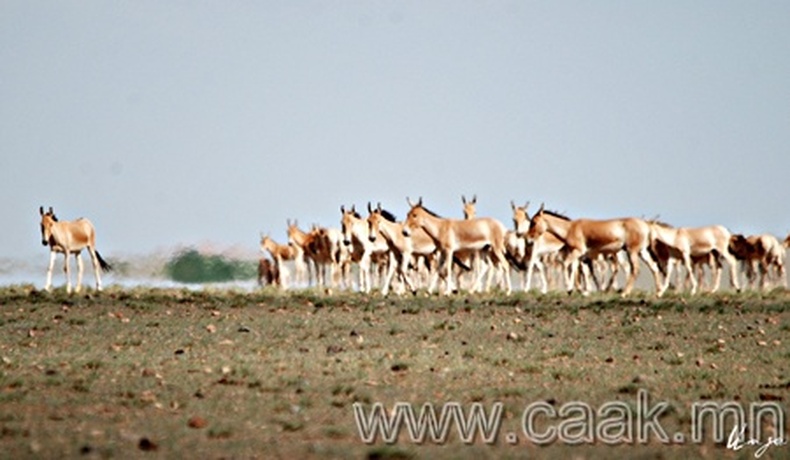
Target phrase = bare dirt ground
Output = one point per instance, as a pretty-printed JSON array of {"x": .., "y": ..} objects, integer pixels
[{"x": 172, "y": 373}]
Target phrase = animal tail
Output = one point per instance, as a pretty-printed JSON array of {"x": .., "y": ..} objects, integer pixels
[
  {"x": 519, "y": 264},
  {"x": 103, "y": 263},
  {"x": 458, "y": 262}
]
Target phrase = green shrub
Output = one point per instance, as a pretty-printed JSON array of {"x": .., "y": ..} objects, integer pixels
[{"x": 192, "y": 267}]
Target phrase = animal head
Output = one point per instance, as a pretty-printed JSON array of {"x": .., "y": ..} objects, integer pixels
[
  {"x": 470, "y": 207},
  {"x": 740, "y": 246},
  {"x": 538, "y": 225},
  {"x": 295, "y": 235},
  {"x": 414, "y": 218},
  {"x": 266, "y": 242},
  {"x": 316, "y": 240},
  {"x": 48, "y": 219},
  {"x": 374, "y": 221},
  {"x": 520, "y": 218},
  {"x": 350, "y": 216}
]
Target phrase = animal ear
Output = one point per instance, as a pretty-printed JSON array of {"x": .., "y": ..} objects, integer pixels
[
  {"x": 474, "y": 199},
  {"x": 419, "y": 202},
  {"x": 353, "y": 208},
  {"x": 342, "y": 209},
  {"x": 379, "y": 206},
  {"x": 408, "y": 201},
  {"x": 370, "y": 208},
  {"x": 51, "y": 211},
  {"x": 512, "y": 205},
  {"x": 463, "y": 199},
  {"x": 526, "y": 205},
  {"x": 41, "y": 210},
  {"x": 540, "y": 211}
]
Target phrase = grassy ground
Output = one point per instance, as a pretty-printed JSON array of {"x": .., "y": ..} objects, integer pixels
[{"x": 175, "y": 373}]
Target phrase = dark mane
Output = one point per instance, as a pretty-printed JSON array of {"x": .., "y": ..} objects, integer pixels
[
  {"x": 659, "y": 223},
  {"x": 556, "y": 214},
  {"x": 430, "y": 212},
  {"x": 389, "y": 216}
]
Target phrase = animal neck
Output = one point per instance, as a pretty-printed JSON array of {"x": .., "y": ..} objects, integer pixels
[
  {"x": 57, "y": 236},
  {"x": 557, "y": 227},
  {"x": 359, "y": 229},
  {"x": 666, "y": 235},
  {"x": 297, "y": 236},
  {"x": 430, "y": 224}
]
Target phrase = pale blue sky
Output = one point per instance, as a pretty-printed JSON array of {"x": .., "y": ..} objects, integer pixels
[{"x": 180, "y": 122}]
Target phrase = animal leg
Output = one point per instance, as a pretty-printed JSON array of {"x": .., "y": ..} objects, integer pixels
[
  {"x": 733, "y": 270},
  {"x": 404, "y": 271},
  {"x": 571, "y": 263},
  {"x": 615, "y": 264},
  {"x": 690, "y": 273},
  {"x": 448, "y": 270},
  {"x": 530, "y": 269},
  {"x": 282, "y": 273},
  {"x": 633, "y": 261},
  {"x": 652, "y": 265},
  {"x": 667, "y": 276},
  {"x": 96, "y": 267},
  {"x": 80, "y": 271},
  {"x": 364, "y": 273},
  {"x": 67, "y": 271},
  {"x": 52, "y": 256},
  {"x": 385, "y": 288},
  {"x": 506, "y": 272},
  {"x": 716, "y": 273}
]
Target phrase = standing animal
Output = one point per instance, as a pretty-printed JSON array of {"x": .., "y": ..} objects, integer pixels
[
  {"x": 302, "y": 257},
  {"x": 762, "y": 256},
  {"x": 452, "y": 235},
  {"x": 587, "y": 237},
  {"x": 404, "y": 252},
  {"x": 280, "y": 253},
  {"x": 541, "y": 252},
  {"x": 684, "y": 243},
  {"x": 355, "y": 234},
  {"x": 70, "y": 237},
  {"x": 267, "y": 273},
  {"x": 328, "y": 252}
]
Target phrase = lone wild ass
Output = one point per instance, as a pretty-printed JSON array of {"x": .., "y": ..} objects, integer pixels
[{"x": 70, "y": 237}]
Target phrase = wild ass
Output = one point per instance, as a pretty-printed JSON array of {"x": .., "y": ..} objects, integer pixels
[
  {"x": 452, "y": 235},
  {"x": 302, "y": 260},
  {"x": 70, "y": 237},
  {"x": 587, "y": 237},
  {"x": 541, "y": 252},
  {"x": 280, "y": 253},
  {"x": 762, "y": 255},
  {"x": 329, "y": 253},
  {"x": 404, "y": 251},
  {"x": 686, "y": 243},
  {"x": 355, "y": 233}
]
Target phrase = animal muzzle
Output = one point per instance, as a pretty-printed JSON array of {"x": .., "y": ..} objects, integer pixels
[
  {"x": 372, "y": 238},
  {"x": 347, "y": 242},
  {"x": 44, "y": 242}
]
